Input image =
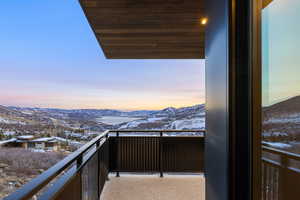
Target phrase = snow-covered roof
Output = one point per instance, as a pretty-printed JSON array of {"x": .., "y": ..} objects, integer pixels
[
  {"x": 45, "y": 139},
  {"x": 71, "y": 142},
  {"x": 75, "y": 135},
  {"x": 7, "y": 141},
  {"x": 25, "y": 137},
  {"x": 61, "y": 139}
]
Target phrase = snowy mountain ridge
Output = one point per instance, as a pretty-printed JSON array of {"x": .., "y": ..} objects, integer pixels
[{"x": 35, "y": 120}]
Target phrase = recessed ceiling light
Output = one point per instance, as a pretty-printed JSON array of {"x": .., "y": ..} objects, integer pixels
[{"x": 204, "y": 21}]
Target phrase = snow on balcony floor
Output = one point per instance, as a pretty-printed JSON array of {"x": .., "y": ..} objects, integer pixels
[{"x": 148, "y": 187}]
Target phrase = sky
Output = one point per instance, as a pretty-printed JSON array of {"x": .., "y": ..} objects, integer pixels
[
  {"x": 281, "y": 51},
  {"x": 49, "y": 57}
]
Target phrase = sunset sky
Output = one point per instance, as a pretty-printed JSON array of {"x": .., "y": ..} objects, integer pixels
[{"x": 49, "y": 57}]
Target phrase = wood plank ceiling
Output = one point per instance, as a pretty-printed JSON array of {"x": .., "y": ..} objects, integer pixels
[
  {"x": 147, "y": 29},
  {"x": 266, "y": 3}
]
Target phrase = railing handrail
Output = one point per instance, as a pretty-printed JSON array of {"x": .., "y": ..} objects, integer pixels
[
  {"x": 36, "y": 184},
  {"x": 280, "y": 152},
  {"x": 157, "y": 131}
]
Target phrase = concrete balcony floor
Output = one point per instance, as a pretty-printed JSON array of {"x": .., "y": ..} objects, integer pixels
[{"x": 152, "y": 187}]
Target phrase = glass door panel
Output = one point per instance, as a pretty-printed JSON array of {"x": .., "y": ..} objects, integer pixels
[{"x": 281, "y": 100}]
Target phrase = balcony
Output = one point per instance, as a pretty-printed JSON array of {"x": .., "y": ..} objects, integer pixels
[
  {"x": 139, "y": 164},
  {"x": 148, "y": 164}
]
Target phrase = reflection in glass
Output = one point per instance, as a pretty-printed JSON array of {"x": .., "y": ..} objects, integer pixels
[
  {"x": 281, "y": 74},
  {"x": 281, "y": 100}
]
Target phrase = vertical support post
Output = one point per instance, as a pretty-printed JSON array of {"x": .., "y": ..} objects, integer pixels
[
  {"x": 78, "y": 164},
  {"x": 282, "y": 178},
  {"x": 99, "y": 167},
  {"x": 106, "y": 156},
  {"x": 118, "y": 153},
  {"x": 161, "y": 154},
  {"x": 79, "y": 161}
]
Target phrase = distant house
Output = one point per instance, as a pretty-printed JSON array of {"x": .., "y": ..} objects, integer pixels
[
  {"x": 30, "y": 142},
  {"x": 8, "y": 143}
]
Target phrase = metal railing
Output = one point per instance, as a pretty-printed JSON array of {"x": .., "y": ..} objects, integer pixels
[
  {"x": 82, "y": 174},
  {"x": 156, "y": 151},
  {"x": 75, "y": 169},
  {"x": 280, "y": 174}
]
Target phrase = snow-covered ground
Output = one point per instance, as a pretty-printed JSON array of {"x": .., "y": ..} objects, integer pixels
[
  {"x": 283, "y": 120},
  {"x": 9, "y": 133},
  {"x": 114, "y": 120},
  {"x": 75, "y": 135},
  {"x": 8, "y": 121},
  {"x": 196, "y": 123},
  {"x": 136, "y": 123},
  {"x": 27, "y": 112},
  {"x": 274, "y": 134}
]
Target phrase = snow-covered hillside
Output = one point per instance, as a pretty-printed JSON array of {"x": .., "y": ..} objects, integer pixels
[
  {"x": 45, "y": 121},
  {"x": 196, "y": 123}
]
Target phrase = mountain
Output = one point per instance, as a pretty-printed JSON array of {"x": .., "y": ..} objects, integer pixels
[
  {"x": 11, "y": 116},
  {"x": 285, "y": 108},
  {"x": 192, "y": 117},
  {"x": 35, "y": 120},
  {"x": 281, "y": 121}
]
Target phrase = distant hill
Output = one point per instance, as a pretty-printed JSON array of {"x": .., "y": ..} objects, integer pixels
[
  {"x": 285, "y": 108},
  {"x": 23, "y": 118},
  {"x": 281, "y": 121}
]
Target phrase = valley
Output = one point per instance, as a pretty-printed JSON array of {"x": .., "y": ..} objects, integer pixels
[{"x": 80, "y": 125}]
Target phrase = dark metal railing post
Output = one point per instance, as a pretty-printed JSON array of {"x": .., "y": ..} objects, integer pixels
[
  {"x": 161, "y": 154},
  {"x": 118, "y": 153},
  {"x": 99, "y": 167},
  {"x": 106, "y": 156},
  {"x": 78, "y": 165},
  {"x": 79, "y": 161},
  {"x": 282, "y": 177}
]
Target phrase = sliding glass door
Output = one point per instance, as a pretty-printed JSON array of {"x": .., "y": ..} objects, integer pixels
[{"x": 280, "y": 31}]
